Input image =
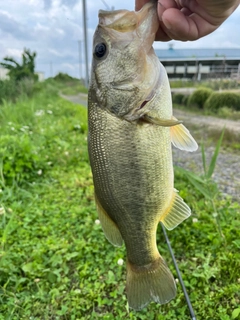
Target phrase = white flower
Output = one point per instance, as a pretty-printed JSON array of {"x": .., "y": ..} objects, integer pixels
[
  {"x": 194, "y": 220},
  {"x": 49, "y": 111},
  {"x": 1, "y": 191},
  {"x": 49, "y": 163},
  {"x": 97, "y": 221},
  {"x": 176, "y": 280},
  {"x": 2, "y": 211},
  {"x": 39, "y": 113},
  {"x": 215, "y": 214},
  {"x": 77, "y": 291},
  {"x": 66, "y": 153},
  {"x": 12, "y": 128},
  {"x": 39, "y": 172},
  {"x": 120, "y": 262}
]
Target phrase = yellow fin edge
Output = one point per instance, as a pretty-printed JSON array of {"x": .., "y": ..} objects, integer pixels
[
  {"x": 177, "y": 212},
  {"x": 109, "y": 227}
]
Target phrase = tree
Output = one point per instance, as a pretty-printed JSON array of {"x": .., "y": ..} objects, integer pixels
[{"x": 20, "y": 71}]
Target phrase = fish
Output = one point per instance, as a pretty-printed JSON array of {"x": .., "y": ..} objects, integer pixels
[{"x": 131, "y": 129}]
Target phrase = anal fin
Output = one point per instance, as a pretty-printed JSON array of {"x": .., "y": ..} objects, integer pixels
[
  {"x": 109, "y": 227},
  {"x": 177, "y": 211}
]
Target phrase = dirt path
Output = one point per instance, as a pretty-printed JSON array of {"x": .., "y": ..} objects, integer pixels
[
  {"x": 215, "y": 123},
  {"x": 81, "y": 98}
]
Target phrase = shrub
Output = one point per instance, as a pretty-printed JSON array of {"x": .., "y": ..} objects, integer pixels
[
  {"x": 11, "y": 90},
  {"x": 218, "y": 100},
  {"x": 199, "y": 97},
  {"x": 185, "y": 100},
  {"x": 178, "y": 98},
  {"x": 21, "y": 160}
]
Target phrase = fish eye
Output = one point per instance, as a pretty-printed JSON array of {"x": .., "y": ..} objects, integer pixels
[{"x": 100, "y": 50}]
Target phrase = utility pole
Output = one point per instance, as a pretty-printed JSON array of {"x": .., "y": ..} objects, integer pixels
[
  {"x": 80, "y": 58},
  {"x": 85, "y": 42}
]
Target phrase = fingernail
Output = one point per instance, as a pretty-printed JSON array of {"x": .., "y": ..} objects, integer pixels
[{"x": 167, "y": 24}]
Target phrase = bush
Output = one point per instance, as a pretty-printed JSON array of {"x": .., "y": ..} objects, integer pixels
[
  {"x": 178, "y": 98},
  {"x": 185, "y": 100},
  {"x": 21, "y": 160},
  {"x": 218, "y": 100},
  {"x": 199, "y": 97},
  {"x": 8, "y": 90},
  {"x": 11, "y": 90}
]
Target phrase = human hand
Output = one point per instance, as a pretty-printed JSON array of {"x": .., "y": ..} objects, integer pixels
[{"x": 190, "y": 19}]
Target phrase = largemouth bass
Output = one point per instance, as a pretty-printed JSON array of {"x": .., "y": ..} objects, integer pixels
[{"x": 131, "y": 129}]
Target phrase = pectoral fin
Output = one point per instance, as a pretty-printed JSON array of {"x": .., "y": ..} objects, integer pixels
[
  {"x": 177, "y": 211},
  {"x": 161, "y": 122},
  {"x": 182, "y": 139},
  {"x": 110, "y": 229}
]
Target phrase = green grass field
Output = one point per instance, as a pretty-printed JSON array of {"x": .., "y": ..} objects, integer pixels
[{"x": 55, "y": 262}]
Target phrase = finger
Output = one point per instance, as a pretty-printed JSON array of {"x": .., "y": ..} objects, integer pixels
[
  {"x": 219, "y": 9},
  {"x": 164, "y": 5},
  {"x": 161, "y": 34},
  {"x": 180, "y": 27}
]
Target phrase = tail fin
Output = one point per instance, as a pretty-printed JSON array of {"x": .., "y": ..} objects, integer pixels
[{"x": 153, "y": 282}]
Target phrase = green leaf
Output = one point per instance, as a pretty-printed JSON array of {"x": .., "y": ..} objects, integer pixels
[
  {"x": 203, "y": 159},
  {"x": 196, "y": 181},
  {"x": 235, "y": 313},
  {"x": 199, "y": 187},
  {"x": 214, "y": 157}
]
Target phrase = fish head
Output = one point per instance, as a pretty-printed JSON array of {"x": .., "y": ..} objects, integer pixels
[{"x": 123, "y": 75}]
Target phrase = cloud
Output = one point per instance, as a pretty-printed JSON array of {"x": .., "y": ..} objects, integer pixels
[
  {"x": 48, "y": 4},
  {"x": 14, "y": 28}
]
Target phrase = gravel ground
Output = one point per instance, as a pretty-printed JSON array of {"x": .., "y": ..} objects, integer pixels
[{"x": 226, "y": 174}]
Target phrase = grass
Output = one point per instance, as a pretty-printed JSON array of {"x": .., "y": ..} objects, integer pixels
[
  {"x": 68, "y": 86},
  {"x": 55, "y": 261}
]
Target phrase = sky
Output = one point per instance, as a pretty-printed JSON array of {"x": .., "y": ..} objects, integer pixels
[{"x": 54, "y": 29}]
